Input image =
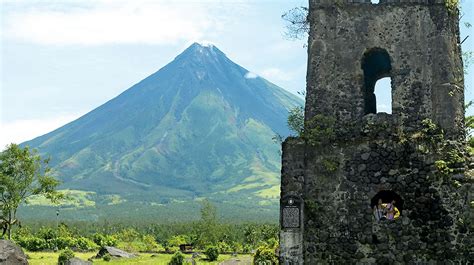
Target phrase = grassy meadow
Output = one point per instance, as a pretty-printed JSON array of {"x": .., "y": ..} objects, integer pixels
[{"x": 48, "y": 258}]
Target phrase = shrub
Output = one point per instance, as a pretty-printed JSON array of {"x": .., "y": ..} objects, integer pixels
[
  {"x": 86, "y": 244},
  {"x": 107, "y": 257},
  {"x": 150, "y": 244},
  {"x": 128, "y": 235},
  {"x": 237, "y": 247},
  {"x": 63, "y": 242},
  {"x": 247, "y": 248},
  {"x": 272, "y": 243},
  {"x": 137, "y": 243},
  {"x": 104, "y": 240},
  {"x": 212, "y": 253},
  {"x": 47, "y": 233},
  {"x": 64, "y": 256},
  {"x": 175, "y": 241},
  {"x": 265, "y": 256},
  {"x": 21, "y": 232},
  {"x": 177, "y": 258},
  {"x": 224, "y": 247},
  {"x": 32, "y": 243},
  {"x": 172, "y": 245}
]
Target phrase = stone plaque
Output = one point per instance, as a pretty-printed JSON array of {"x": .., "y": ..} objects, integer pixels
[
  {"x": 290, "y": 212},
  {"x": 291, "y": 217}
]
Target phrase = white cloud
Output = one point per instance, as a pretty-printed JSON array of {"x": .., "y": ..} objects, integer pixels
[
  {"x": 110, "y": 22},
  {"x": 250, "y": 75},
  {"x": 19, "y": 131},
  {"x": 276, "y": 74}
]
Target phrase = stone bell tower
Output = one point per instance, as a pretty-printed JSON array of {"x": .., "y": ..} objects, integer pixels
[{"x": 351, "y": 156}]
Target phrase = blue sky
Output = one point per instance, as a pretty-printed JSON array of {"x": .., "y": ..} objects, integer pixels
[{"x": 61, "y": 59}]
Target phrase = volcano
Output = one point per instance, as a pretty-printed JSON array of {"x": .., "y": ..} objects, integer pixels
[{"x": 201, "y": 126}]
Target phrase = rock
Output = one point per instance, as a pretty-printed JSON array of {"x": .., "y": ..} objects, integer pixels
[
  {"x": 114, "y": 252},
  {"x": 11, "y": 254},
  {"x": 365, "y": 156},
  {"x": 77, "y": 261}
]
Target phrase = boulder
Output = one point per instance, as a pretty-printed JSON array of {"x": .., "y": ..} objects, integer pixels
[
  {"x": 77, "y": 261},
  {"x": 11, "y": 254},
  {"x": 114, "y": 252}
]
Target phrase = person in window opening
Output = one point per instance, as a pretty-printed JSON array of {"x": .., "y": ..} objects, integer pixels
[
  {"x": 379, "y": 211},
  {"x": 392, "y": 211}
]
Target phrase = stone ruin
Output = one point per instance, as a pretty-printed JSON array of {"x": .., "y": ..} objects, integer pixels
[{"x": 350, "y": 156}]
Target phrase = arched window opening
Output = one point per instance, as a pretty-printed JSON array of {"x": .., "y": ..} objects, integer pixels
[
  {"x": 376, "y": 65},
  {"x": 374, "y": 1},
  {"x": 386, "y": 205},
  {"x": 383, "y": 94}
]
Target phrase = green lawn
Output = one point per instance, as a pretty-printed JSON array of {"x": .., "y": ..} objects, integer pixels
[{"x": 48, "y": 258}]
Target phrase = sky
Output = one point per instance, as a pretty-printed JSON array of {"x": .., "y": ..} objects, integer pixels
[{"x": 61, "y": 59}]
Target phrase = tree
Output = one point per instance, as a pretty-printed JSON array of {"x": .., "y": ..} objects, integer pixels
[
  {"x": 208, "y": 225},
  {"x": 297, "y": 23},
  {"x": 295, "y": 120},
  {"x": 22, "y": 174}
]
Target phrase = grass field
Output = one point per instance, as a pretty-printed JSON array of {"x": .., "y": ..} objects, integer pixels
[{"x": 49, "y": 258}]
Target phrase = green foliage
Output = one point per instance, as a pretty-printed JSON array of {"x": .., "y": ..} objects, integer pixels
[
  {"x": 206, "y": 229},
  {"x": 173, "y": 242},
  {"x": 443, "y": 168},
  {"x": 223, "y": 247},
  {"x": 107, "y": 257},
  {"x": 150, "y": 244},
  {"x": 104, "y": 240},
  {"x": 64, "y": 256},
  {"x": 430, "y": 137},
  {"x": 451, "y": 158},
  {"x": 32, "y": 243},
  {"x": 131, "y": 240},
  {"x": 330, "y": 165},
  {"x": 23, "y": 173},
  {"x": 48, "y": 239},
  {"x": 320, "y": 130},
  {"x": 296, "y": 120},
  {"x": 212, "y": 253},
  {"x": 128, "y": 235},
  {"x": 47, "y": 233},
  {"x": 63, "y": 242},
  {"x": 265, "y": 255},
  {"x": 86, "y": 244},
  {"x": 273, "y": 243},
  {"x": 240, "y": 238},
  {"x": 452, "y": 5},
  {"x": 177, "y": 258},
  {"x": 470, "y": 145}
]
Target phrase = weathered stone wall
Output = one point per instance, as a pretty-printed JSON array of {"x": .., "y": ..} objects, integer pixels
[
  {"x": 342, "y": 178},
  {"x": 335, "y": 177},
  {"x": 292, "y": 187},
  {"x": 422, "y": 41}
]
